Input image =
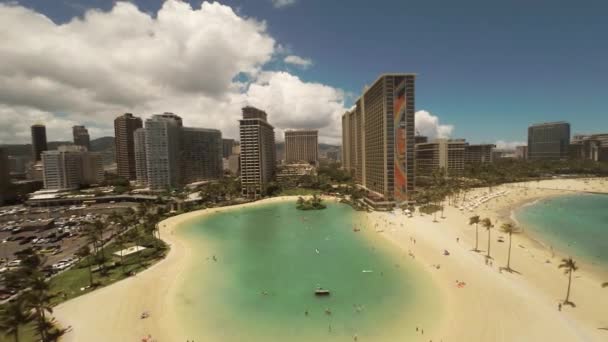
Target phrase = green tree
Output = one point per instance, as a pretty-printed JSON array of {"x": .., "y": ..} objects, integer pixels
[
  {"x": 569, "y": 266},
  {"x": 509, "y": 229},
  {"x": 85, "y": 252},
  {"x": 13, "y": 315},
  {"x": 475, "y": 220},
  {"x": 39, "y": 300},
  {"x": 487, "y": 224}
]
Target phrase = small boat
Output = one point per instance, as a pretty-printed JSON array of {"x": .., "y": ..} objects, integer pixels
[
  {"x": 367, "y": 271},
  {"x": 321, "y": 292}
]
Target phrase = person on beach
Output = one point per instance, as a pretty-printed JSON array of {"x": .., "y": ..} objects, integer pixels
[{"x": 559, "y": 306}]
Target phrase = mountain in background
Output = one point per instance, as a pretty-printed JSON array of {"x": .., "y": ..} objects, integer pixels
[{"x": 104, "y": 145}]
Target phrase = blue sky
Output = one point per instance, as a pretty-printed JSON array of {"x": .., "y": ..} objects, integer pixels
[{"x": 490, "y": 68}]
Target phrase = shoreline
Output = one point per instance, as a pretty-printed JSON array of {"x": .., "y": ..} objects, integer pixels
[{"x": 496, "y": 304}]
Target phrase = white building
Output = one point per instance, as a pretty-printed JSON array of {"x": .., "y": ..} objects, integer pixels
[
  {"x": 141, "y": 169},
  {"x": 162, "y": 151},
  {"x": 70, "y": 167}
]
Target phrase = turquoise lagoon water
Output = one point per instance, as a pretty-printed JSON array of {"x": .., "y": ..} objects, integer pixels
[
  {"x": 574, "y": 224},
  {"x": 269, "y": 260}
]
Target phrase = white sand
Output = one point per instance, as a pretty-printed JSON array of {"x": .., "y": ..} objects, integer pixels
[{"x": 495, "y": 306}]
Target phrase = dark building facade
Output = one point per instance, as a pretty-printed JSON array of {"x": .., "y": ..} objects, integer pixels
[
  {"x": 227, "y": 145},
  {"x": 81, "y": 137},
  {"x": 124, "y": 127},
  {"x": 38, "y": 141},
  {"x": 258, "y": 152},
  {"x": 478, "y": 154},
  {"x": 201, "y": 154},
  {"x": 548, "y": 141}
]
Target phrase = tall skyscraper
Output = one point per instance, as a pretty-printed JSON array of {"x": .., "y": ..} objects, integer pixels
[
  {"x": 81, "y": 137},
  {"x": 70, "y": 167},
  {"x": 548, "y": 141},
  {"x": 163, "y": 151},
  {"x": 4, "y": 176},
  {"x": 141, "y": 168},
  {"x": 201, "y": 153},
  {"x": 258, "y": 154},
  {"x": 38, "y": 141},
  {"x": 124, "y": 126},
  {"x": 380, "y": 139},
  {"x": 227, "y": 146},
  {"x": 302, "y": 146}
]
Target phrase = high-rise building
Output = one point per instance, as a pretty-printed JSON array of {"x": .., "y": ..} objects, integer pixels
[
  {"x": 441, "y": 154},
  {"x": 81, "y": 137},
  {"x": 201, "y": 154},
  {"x": 38, "y": 141},
  {"x": 420, "y": 139},
  {"x": 163, "y": 151},
  {"x": 258, "y": 154},
  {"x": 548, "y": 141},
  {"x": 521, "y": 152},
  {"x": 124, "y": 126},
  {"x": 139, "y": 144},
  {"x": 378, "y": 140},
  {"x": 478, "y": 154},
  {"x": 302, "y": 146},
  {"x": 70, "y": 167},
  {"x": 4, "y": 176},
  {"x": 227, "y": 146}
]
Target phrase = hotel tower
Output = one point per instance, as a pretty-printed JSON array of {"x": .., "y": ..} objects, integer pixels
[{"x": 378, "y": 140}]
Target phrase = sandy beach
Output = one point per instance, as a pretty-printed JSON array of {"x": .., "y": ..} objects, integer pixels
[
  {"x": 490, "y": 306},
  {"x": 496, "y": 305}
]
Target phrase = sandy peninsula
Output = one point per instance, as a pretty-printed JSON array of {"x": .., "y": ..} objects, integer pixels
[
  {"x": 496, "y": 305},
  {"x": 489, "y": 305}
]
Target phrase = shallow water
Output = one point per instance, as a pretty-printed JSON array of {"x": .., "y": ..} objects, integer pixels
[
  {"x": 269, "y": 260},
  {"x": 574, "y": 224}
]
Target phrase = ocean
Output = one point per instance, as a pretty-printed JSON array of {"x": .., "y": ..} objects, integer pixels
[
  {"x": 574, "y": 224},
  {"x": 255, "y": 269}
]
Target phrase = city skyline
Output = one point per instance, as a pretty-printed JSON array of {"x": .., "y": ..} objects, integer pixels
[{"x": 312, "y": 85}]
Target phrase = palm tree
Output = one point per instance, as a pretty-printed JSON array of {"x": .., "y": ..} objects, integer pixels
[
  {"x": 569, "y": 266},
  {"x": 12, "y": 316},
  {"x": 509, "y": 229},
  {"x": 39, "y": 301},
  {"x": 121, "y": 241},
  {"x": 84, "y": 252},
  {"x": 487, "y": 224},
  {"x": 475, "y": 220}
]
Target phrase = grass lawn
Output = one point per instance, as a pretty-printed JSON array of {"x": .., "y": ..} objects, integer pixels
[
  {"x": 300, "y": 192},
  {"x": 68, "y": 285}
]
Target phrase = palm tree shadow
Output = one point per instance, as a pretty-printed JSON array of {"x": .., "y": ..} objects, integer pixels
[
  {"x": 603, "y": 329},
  {"x": 510, "y": 270},
  {"x": 570, "y": 303}
]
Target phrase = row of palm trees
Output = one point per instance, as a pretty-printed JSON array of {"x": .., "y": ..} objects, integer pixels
[
  {"x": 568, "y": 264},
  {"x": 32, "y": 305}
]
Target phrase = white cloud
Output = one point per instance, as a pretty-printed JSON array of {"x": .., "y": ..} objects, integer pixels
[
  {"x": 428, "y": 125},
  {"x": 283, "y": 3},
  {"x": 203, "y": 64},
  {"x": 299, "y": 61},
  {"x": 509, "y": 145}
]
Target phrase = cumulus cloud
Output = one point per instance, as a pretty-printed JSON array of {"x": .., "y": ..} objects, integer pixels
[
  {"x": 428, "y": 125},
  {"x": 283, "y": 3},
  {"x": 299, "y": 61},
  {"x": 203, "y": 64},
  {"x": 509, "y": 145}
]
